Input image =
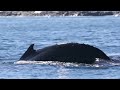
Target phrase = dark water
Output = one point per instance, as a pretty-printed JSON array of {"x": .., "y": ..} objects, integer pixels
[{"x": 17, "y": 33}]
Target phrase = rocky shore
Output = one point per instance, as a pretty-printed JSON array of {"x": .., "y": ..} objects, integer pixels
[{"x": 58, "y": 13}]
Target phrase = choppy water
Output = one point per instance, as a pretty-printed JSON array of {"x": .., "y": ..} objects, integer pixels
[{"x": 17, "y": 33}]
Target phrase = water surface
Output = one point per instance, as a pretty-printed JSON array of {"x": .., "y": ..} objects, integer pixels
[{"x": 17, "y": 33}]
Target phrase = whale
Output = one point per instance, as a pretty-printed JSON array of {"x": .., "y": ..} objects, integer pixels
[{"x": 68, "y": 52}]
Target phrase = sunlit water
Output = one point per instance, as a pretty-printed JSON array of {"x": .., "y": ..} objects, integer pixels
[{"x": 17, "y": 33}]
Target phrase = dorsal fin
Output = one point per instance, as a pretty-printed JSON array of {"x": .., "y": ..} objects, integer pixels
[
  {"x": 30, "y": 47},
  {"x": 29, "y": 51}
]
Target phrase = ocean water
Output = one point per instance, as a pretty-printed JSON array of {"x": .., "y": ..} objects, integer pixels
[{"x": 17, "y": 33}]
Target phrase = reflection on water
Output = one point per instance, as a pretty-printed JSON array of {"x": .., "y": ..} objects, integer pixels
[{"x": 63, "y": 73}]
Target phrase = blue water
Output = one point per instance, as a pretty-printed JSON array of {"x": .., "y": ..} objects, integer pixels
[{"x": 17, "y": 33}]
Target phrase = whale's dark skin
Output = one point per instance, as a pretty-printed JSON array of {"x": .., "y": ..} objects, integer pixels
[{"x": 70, "y": 52}]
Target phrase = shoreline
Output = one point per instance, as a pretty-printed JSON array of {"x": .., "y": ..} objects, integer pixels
[
  {"x": 59, "y": 13},
  {"x": 60, "y": 16}
]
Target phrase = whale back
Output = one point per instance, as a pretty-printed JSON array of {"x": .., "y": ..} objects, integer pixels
[
  {"x": 76, "y": 50},
  {"x": 70, "y": 52}
]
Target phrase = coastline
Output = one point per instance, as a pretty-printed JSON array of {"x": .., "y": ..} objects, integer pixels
[{"x": 59, "y": 13}]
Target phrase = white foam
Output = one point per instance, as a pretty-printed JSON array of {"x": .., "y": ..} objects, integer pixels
[
  {"x": 48, "y": 63},
  {"x": 32, "y": 62},
  {"x": 98, "y": 64}
]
